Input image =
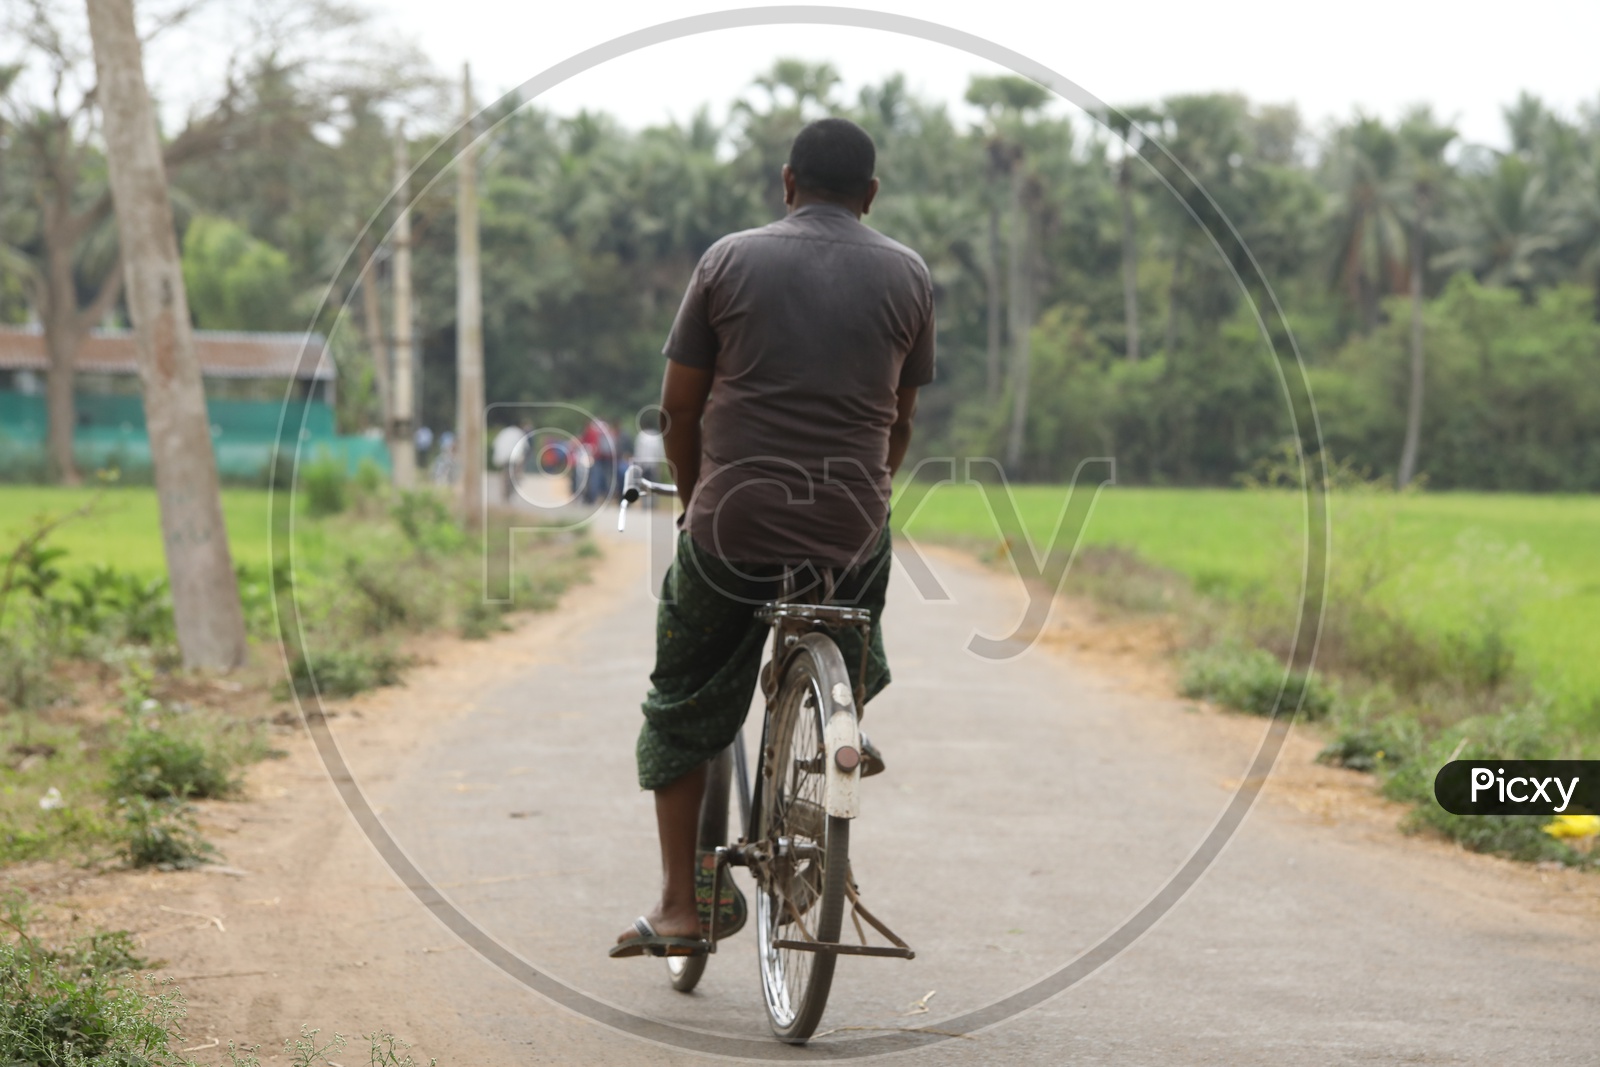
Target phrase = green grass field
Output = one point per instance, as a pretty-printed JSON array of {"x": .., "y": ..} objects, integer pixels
[
  {"x": 1458, "y": 549},
  {"x": 1225, "y": 541},
  {"x": 125, "y": 529}
]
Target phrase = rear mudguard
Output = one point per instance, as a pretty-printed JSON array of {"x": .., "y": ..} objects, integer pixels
[{"x": 842, "y": 794}]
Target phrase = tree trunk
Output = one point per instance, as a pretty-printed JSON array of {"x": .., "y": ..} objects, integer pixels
[
  {"x": 1021, "y": 288},
  {"x": 205, "y": 592},
  {"x": 1408, "y": 453},
  {"x": 402, "y": 445},
  {"x": 992, "y": 277},
  {"x": 1130, "y": 263},
  {"x": 372, "y": 329},
  {"x": 469, "y": 325},
  {"x": 1170, "y": 327},
  {"x": 61, "y": 343}
]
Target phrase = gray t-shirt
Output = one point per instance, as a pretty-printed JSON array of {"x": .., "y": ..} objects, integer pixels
[{"x": 809, "y": 326}]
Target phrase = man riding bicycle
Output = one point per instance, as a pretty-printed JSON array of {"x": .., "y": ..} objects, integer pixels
[{"x": 791, "y": 382}]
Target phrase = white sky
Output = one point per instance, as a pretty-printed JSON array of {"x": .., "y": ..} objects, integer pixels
[{"x": 1469, "y": 61}]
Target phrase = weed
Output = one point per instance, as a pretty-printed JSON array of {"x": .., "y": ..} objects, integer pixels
[
  {"x": 383, "y": 1050},
  {"x": 386, "y": 594},
  {"x": 76, "y": 1004},
  {"x": 1116, "y": 575},
  {"x": 344, "y": 671},
  {"x": 161, "y": 834},
  {"x": 426, "y": 522},
  {"x": 159, "y": 762},
  {"x": 1252, "y": 680},
  {"x": 303, "y": 1051},
  {"x": 481, "y": 618},
  {"x": 27, "y": 656}
]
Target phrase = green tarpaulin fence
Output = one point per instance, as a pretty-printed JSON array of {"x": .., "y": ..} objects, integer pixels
[{"x": 111, "y": 433}]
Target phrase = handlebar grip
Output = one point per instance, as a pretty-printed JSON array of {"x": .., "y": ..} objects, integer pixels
[{"x": 631, "y": 483}]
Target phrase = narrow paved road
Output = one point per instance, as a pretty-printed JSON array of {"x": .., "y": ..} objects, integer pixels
[{"x": 1029, "y": 808}]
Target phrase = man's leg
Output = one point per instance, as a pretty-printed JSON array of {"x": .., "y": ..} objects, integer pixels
[
  {"x": 678, "y": 824},
  {"x": 708, "y": 650}
]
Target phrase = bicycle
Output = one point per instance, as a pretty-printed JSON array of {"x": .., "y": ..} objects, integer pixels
[{"x": 796, "y": 812}]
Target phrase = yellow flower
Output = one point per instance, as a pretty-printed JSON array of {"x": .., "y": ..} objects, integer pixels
[{"x": 1573, "y": 826}]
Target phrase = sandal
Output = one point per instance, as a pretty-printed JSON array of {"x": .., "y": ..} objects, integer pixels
[{"x": 648, "y": 942}]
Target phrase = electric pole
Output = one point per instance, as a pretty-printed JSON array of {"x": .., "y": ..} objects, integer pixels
[
  {"x": 469, "y": 321},
  {"x": 402, "y": 443}
]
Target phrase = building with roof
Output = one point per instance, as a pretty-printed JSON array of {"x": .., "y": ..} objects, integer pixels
[{"x": 252, "y": 380}]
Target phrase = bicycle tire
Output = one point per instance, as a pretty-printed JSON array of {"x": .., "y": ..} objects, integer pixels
[
  {"x": 795, "y": 983},
  {"x": 685, "y": 971}
]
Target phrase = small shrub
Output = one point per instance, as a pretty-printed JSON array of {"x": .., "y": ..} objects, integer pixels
[
  {"x": 1119, "y": 576},
  {"x": 369, "y": 478},
  {"x": 119, "y": 606},
  {"x": 342, "y": 672},
  {"x": 385, "y": 594},
  {"x": 1518, "y": 837},
  {"x": 480, "y": 618},
  {"x": 161, "y": 834},
  {"x": 26, "y": 660},
  {"x": 325, "y": 483},
  {"x": 157, "y": 763},
  {"x": 255, "y": 598},
  {"x": 425, "y": 520},
  {"x": 1251, "y": 680},
  {"x": 76, "y": 1005}
]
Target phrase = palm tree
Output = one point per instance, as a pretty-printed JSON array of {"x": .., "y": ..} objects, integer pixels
[
  {"x": 1424, "y": 142},
  {"x": 1125, "y": 123},
  {"x": 1509, "y": 231},
  {"x": 1008, "y": 101},
  {"x": 796, "y": 91},
  {"x": 1369, "y": 202}
]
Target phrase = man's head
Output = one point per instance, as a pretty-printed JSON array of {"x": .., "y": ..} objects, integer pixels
[{"x": 831, "y": 160}]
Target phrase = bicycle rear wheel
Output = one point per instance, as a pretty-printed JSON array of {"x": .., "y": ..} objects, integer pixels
[
  {"x": 685, "y": 971},
  {"x": 802, "y": 887}
]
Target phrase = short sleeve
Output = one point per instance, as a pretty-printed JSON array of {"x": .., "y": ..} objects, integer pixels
[
  {"x": 917, "y": 370},
  {"x": 692, "y": 341}
]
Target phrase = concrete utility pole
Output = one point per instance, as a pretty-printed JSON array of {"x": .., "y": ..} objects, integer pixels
[
  {"x": 469, "y": 321},
  {"x": 402, "y": 443},
  {"x": 205, "y": 592}
]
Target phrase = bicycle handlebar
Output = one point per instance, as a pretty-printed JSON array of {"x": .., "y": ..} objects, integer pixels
[{"x": 635, "y": 485}]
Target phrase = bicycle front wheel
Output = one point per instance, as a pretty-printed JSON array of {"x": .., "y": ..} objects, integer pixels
[{"x": 802, "y": 891}]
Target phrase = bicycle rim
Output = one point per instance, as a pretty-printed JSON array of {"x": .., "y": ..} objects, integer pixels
[{"x": 803, "y": 895}]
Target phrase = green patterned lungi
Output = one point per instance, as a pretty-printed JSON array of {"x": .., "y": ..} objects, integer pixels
[{"x": 708, "y": 651}]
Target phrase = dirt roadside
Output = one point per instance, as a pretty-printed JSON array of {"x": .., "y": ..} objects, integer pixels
[{"x": 294, "y": 860}]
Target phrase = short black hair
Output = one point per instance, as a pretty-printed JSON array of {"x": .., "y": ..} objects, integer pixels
[{"x": 833, "y": 157}]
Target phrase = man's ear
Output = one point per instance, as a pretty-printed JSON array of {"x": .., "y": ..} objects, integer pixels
[
  {"x": 872, "y": 191},
  {"x": 788, "y": 186}
]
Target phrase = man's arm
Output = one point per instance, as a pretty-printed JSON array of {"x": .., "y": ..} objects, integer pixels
[
  {"x": 905, "y": 408},
  {"x": 683, "y": 400}
]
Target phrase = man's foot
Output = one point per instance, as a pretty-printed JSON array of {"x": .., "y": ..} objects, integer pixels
[{"x": 644, "y": 940}]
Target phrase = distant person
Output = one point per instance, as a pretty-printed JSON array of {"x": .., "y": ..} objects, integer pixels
[
  {"x": 502, "y": 454},
  {"x": 600, "y": 441},
  {"x": 424, "y": 443},
  {"x": 444, "y": 464}
]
